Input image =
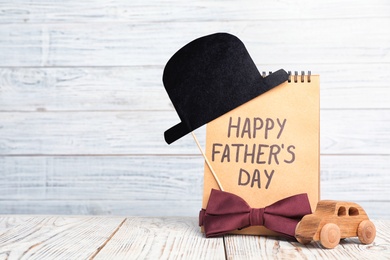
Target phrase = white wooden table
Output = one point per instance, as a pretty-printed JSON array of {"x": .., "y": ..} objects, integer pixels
[{"x": 95, "y": 237}]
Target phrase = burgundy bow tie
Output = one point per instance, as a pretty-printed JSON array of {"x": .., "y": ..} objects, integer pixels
[{"x": 226, "y": 212}]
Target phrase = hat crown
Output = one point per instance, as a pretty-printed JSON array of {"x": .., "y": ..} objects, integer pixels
[{"x": 207, "y": 78}]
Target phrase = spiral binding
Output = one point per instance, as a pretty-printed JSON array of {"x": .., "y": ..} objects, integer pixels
[
  {"x": 302, "y": 76},
  {"x": 293, "y": 77}
]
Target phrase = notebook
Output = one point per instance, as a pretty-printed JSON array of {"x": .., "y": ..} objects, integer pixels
[{"x": 268, "y": 148}]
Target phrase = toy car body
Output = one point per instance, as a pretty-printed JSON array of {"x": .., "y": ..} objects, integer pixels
[{"x": 335, "y": 220}]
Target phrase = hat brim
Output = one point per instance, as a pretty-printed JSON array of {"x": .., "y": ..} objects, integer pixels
[{"x": 176, "y": 132}]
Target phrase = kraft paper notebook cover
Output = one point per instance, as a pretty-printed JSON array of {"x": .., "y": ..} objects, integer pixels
[{"x": 268, "y": 148}]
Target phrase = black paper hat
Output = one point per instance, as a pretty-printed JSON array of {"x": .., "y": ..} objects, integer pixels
[{"x": 209, "y": 77}]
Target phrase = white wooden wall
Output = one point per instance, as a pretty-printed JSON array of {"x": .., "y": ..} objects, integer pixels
[{"x": 83, "y": 108}]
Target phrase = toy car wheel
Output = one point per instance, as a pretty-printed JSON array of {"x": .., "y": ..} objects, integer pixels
[
  {"x": 330, "y": 235},
  {"x": 366, "y": 232}
]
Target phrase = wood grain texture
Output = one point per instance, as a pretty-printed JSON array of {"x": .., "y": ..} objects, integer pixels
[
  {"x": 83, "y": 109},
  {"x": 83, "y": 88},
  {"x": 334, "y": 220},
  {"x": 117, "y": 207},
  {"x": 147, "y": 208},
  {"x": 83, "y": 237},
  {"x": 255, "y": 247},
  {"x": 354, "y": 178},
  {"x": 39, "y": 237},
  {"x": 201, "y": 10},
  {"x": 160, "y": 186},
  {"x": 161, "y": 238},
  {"x": 140, "y": 88},
  {"x": 102, "y": 178},
  {"x": 141, "y": 132},
  {"x": 145, "y": 44}
]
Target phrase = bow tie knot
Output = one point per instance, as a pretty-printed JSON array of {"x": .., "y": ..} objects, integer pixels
[
  {"x": 226, "y": 212},
  {"x": 256, "y": 217}
]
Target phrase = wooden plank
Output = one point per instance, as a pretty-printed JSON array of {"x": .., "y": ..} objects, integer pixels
[
  {"x": 161, "y": 238},
  {"x": 160, "y": 185},
  {"x": 54, "y": 237},
  {"x": 141, "y": 88},
  {"x": 141, "y": 132},
  {"x": 82, "y": 88},
  {"x": 118, "y": 207},
  {"x": 90, "y": 133},
  {"x": 194, "y": 11},
  {"x": 255, "y": 247},
  {"x": 102, "y": 178},
  {"x": 136, "y": 44},
  {"x": 41, "y": 237},
  {"x": 354, "y": 131},
  {"x": 363, "y": 178},
  {"x": 353, "y": 178}
]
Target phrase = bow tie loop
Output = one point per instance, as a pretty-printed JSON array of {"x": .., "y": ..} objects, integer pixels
[{"x": 256, "y": 217}]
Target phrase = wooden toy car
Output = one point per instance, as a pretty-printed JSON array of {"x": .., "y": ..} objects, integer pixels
[{"x": 335, "y": 220}]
